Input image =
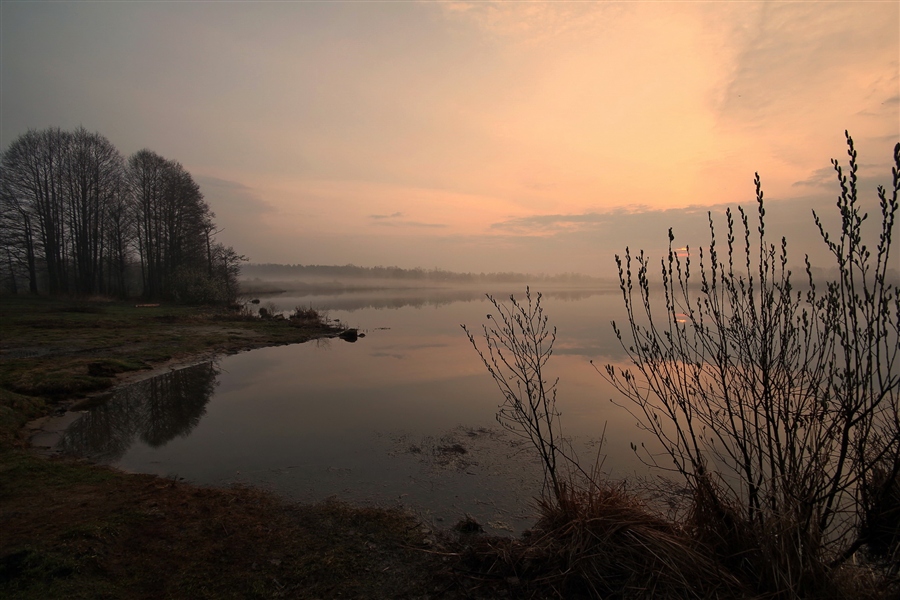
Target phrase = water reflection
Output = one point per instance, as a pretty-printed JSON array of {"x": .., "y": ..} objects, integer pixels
[
  {"x": 405, "y": 416},
  {"x": 155, "y": 411}
]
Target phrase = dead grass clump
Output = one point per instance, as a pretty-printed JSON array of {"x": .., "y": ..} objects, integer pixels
[
  {"x": 306, "y": 314},
  {"x": 782, "y": 557},
  {"x": 601, "y": 543},
  {"x": 610, "y": 543}
]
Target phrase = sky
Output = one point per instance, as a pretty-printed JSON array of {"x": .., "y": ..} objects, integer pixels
[{"x": 539, "y": 137}]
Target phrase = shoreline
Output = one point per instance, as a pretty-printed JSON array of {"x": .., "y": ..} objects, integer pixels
[
  {"x": 42, "y": 435},
  {"x": 77, "y": 528}
]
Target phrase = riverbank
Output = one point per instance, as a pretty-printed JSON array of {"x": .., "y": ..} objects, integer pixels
[
  {"x": 55, "y": 353},
  {"x": 71, "y": 529}
]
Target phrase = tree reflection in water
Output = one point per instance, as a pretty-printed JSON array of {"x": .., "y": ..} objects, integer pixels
[{"x": 155, "y": 411}]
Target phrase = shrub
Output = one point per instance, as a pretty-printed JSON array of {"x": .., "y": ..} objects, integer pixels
[
  {"x": 778, "y": 407},
  {"x": 302, "y": 313},
  {"x": 519, "y": 344}
]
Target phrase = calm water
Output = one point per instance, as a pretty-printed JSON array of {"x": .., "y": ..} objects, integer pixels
[{"x": 405, "y": 416}]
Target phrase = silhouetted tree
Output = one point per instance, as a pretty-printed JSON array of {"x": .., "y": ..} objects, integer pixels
[
  {"x": 173, "y": 223},
  {"x": 32, "y": 169},
  {"x": 74, "y": 216},
  {"x": 92, "y": 177}
]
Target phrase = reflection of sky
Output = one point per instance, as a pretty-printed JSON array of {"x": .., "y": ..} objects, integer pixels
[{"x": 313, "y": 420}]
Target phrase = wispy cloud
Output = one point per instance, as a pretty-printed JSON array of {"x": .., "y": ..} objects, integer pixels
[
  {"x": 550, "y": 223},
  {"x": 240, "y": 214},
  {"x": 410, "y": 224},
  {"x": 594, "y": 221},
  {"x": 535, "y": 22},
  {"x": 820, "y": 178},
  {"x": 396, "y": 220}
]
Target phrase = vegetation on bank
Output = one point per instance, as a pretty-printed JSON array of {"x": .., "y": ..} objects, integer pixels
[
  {"x": 776, "y": 412},
  {"x": 55, "y": 350}
]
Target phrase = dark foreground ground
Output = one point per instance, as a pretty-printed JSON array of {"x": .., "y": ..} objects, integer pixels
[{"x": 79, "y": 531}]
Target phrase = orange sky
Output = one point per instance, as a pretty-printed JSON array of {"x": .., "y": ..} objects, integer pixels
[{"x": 528, "y": 136}]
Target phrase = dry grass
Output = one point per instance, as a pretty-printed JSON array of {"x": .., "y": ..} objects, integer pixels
[
  {"x": 604, "y": 542},
  {"x": 777, "y": 558},
  {"x": 599, "y": 543},
  {"x": 306, "y": 314}
]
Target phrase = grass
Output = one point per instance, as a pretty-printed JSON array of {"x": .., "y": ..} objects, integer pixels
[
  {"x": 601, "y": 544},
  {"x": 112, "y": 535},
  {"x": 54, "y": 351},
  {"x": 606, "y": 543}
]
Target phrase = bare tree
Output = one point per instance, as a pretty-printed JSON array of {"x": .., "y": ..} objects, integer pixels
[
  {"x": 32, "y": 170},
  {"x": 74, "y": 215},
  {"x": 172, "y": 222},
  {"x": 92, "y": 173},
  {"x": 17, "y": 235}
]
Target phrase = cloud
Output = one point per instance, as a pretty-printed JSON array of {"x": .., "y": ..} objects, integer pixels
[
  {"x": 394, "y": 220},
  {"x": 591, "y": 221},
  {"x": 787, "y": 54},
  {"x": 544, "y": 223},
  {"x": 535, "y": 22},
  {"x": 824, "y": 177},
  {"x": 410, "y": 224},
  {"x": 870, "y": 174},
  {"x": 232, "y": 198},
  {"x": 583, "y": 237}
]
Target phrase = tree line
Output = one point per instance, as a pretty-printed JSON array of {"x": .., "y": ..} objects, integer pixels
[
  {"x": 77, "y": 218},
  {"x": 269, "y": 270}
]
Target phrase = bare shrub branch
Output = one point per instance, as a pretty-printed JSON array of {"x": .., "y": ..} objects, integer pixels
[{"x": 778, "y": 406}]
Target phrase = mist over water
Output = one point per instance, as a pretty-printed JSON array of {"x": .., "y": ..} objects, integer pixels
[{"x": 404, "y": 416}]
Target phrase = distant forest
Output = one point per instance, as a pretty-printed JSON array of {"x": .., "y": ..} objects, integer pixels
[
  {"x": 76, "y": 218},
  {"x": 319, "y": 273}
]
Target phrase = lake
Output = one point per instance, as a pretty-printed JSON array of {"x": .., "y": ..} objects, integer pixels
[{"x": 404, "y": 416}]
